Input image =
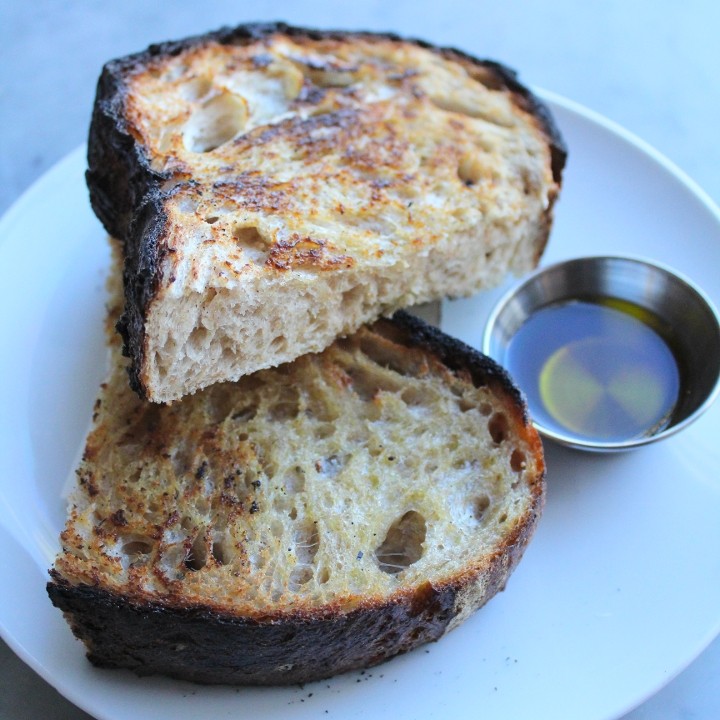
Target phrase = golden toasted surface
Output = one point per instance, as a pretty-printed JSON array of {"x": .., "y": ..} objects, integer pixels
[
  {"x": 324, "y": 152},
  {"x": 276, "y": 188},
  {"x": 340, "y": 481}
]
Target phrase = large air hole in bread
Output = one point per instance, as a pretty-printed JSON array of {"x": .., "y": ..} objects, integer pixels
[
  {"x": 217, "y": 120},
  {"x": 254, "y": 244},
  {"x": 498, "y": 426},
  {"x": 137, "y": 550},
  {"x": 197, "y": 557},
  {"x": 196, "y": 88},
  {"x": 470, "y": 169},
  {"x": 403, "y": 543},
  {"x": 480, "y": 506}
]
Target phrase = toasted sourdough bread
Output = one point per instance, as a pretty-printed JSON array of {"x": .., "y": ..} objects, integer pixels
[
  {"x": 277, "y": 187},
  {"x": 307, "y": 520}
]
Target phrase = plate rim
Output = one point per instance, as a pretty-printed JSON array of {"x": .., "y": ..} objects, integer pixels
[{"x": 68, "y": 687}]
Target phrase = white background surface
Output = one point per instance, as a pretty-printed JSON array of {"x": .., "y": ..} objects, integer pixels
[{"x": 651, "y": 66}]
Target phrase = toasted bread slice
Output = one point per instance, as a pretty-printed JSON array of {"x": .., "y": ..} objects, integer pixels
[
  {"x": 277, "y": 187},
  {"x": 307, "y": 520}
]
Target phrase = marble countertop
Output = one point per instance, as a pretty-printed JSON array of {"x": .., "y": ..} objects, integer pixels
[{"x": 649, "y": 65}]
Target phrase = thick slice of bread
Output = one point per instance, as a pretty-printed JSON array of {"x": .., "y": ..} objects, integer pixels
[
  {"x": 307, "y": 520},
  {"x": 277, "y": 187}
]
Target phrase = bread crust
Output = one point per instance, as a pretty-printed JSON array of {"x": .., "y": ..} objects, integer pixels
[
  {"x": 203, "y": 645},
  {"x": 460, "y": 357},
  {"x": 126, "y": 192},
  {"x": 203, "y": 642},
  {"x": 207, "y": 647}
]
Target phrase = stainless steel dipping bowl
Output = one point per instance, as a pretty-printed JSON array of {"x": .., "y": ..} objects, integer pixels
[{"x": 669, "y": 296}]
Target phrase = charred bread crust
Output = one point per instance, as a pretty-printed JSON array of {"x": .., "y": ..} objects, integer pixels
[
  {"x": 123, "y": 184},
  {"x": 202, "y": 645},
  {"x": 119, "y": 174},
  {"x": 140, "y": 279},
  {"x": 460, "y": 357}
]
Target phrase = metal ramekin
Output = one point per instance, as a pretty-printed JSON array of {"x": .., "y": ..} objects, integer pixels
[{"x": 671, "y": 297}]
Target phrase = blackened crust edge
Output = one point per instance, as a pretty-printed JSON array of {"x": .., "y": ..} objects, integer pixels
[
  {"x": 141, "y": 276},
  {"x": 122, "y": 184},
  {"x": 201, "y": 645},
  {"x": 458, "y": 356}
]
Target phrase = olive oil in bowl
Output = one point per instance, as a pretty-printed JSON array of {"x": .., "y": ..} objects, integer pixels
[
  {"x": 613, "y": 353},
  {"x": 596, "y": 370}
]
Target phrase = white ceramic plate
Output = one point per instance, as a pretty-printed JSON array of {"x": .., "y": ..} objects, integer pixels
[{"x": 618, "y": 592}]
